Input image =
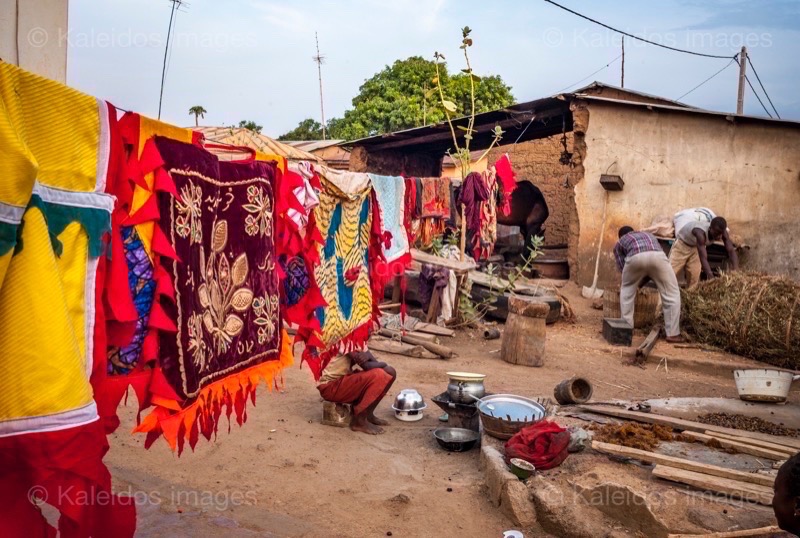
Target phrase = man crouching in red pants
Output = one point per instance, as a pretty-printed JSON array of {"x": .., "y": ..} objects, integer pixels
[{"x": 363, "y": 389}]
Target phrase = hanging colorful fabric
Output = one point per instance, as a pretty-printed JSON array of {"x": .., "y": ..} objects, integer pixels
[
  {"x": 391, "y": 193},
  {"x": 226, "y": 305},
  {"x": 55, "y": 165},
  {"x": 508, "y": 179}
]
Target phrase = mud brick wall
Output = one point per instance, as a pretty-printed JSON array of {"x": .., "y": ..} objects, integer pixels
[{"x": 538, "y": 161}]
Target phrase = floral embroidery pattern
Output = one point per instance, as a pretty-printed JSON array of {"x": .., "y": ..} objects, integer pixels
[
  {"x": 265, "y": 308},
  {"x": 259, "y": 222},
  {"x": 190, "y": 210},
  {"x": 221, "y": 294},
  {"x": 197, "y": 345}
]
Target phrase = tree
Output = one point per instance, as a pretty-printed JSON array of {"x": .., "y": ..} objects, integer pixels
[
  {"x": 401, "y": 96},
  {"x": 253, "y": 126},
  {"x": 199, "y": 112},
  {"x": 308, "y": 129}
]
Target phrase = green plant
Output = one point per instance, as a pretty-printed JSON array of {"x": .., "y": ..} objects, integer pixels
[
  {"x": 471, "y": 311},
  {"x": 199, "y": 112},
  {"x": 460, "y": 153}
]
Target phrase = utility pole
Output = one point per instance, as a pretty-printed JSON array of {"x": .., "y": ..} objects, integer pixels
[
  {"x": 742, "y": 78},
  {"x": 319, "y": 60},
  {"x": 175, "y": 5},
  {"x": 622, "y": 77}
]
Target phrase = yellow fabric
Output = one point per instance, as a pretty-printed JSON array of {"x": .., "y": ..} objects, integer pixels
[
  {"x": 57, "y": 124},
  {"x": 42, "y": 369},
  {"x": 149, "y": 128},
  {"x": 72, "y": 265},
  {"x": 270, "y": 157}
]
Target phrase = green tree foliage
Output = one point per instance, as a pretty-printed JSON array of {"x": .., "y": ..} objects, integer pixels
[
  {"x": 253, "y": 126},
  {"x": 308, "y": 129},
  {"x": 402, "y": 96},
  {"x": 199, "y": 112}
]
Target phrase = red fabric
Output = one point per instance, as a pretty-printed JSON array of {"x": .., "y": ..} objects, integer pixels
[
  {"x": 508, "y": 179},
  {"x": 544, "y": 444},
  {"x": 361, "y": 389},
  {"x": 65, "y": 469},
  {"x": 474, "y": 192},
  {"x": 410, "y": 207}
]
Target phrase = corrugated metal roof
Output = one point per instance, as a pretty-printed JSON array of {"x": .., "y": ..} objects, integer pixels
[
  {"x": 239, "y": 136},
  {"x": 312, "y": 145}
]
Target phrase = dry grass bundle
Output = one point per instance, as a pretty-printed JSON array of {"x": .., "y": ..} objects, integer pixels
[
  {"x": 633, "y": 434},
  {"x": 750, "y": 314}
]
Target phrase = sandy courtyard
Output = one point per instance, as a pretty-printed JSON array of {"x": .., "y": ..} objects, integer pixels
[{"x": 286, "y": 474}]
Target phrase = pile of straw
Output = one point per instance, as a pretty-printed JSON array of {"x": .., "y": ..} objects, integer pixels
[{"x": 750, "y": 314}]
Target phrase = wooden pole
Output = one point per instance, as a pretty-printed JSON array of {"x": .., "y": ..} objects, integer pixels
[
  {"x": 742, "y": 78},
  {"x": 463, "y": 229},
  {"x": 622, "y": 77}
]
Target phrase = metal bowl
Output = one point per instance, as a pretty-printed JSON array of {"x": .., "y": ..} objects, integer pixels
[
  {"x": 409, "y": 400},
  {"x": 456, "y": 439}
]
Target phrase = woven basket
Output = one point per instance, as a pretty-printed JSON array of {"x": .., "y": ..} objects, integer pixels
[
  {"x": 645, "y": 311},
  {"x": 501, "y": 428}
]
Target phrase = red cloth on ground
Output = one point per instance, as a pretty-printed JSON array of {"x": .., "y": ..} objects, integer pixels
[
  {"x": 508, "y": 179},
  {"x": 544, "y": 444},
  {"x": 361, "y": 389}
]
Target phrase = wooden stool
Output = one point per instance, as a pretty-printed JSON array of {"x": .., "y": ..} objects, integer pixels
[
  {"x": 336, "y": 414},
  {"x": 524, "y": 336}
]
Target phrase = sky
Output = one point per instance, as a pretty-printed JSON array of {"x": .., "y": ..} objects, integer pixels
[{"x": 252, "y": 59}]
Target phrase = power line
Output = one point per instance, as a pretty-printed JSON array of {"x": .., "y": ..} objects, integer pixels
[
  {"x": 590, "y": 76},
  {"x": 175, "y": 5},
  {"x": 706, "y": 80},
  {"x": 754, "y": 91},
  {"x": 636, "y": 37},
  {"x": 762, "y": 86}
]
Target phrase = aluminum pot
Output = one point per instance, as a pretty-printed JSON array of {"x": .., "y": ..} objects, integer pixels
[
  {"x": 764, "y": 384},
  {"x": 408, "y": 405},
  {"x": 465, "y": 387}
]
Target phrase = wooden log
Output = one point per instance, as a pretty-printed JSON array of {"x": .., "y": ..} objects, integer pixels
[
  {"x": 644, "y": 350},
  {"x": 454, "y": 265},
  {"x": 442, "y": 351},
  {"x": 687, "y": 425},
  {"x": 424, "y": 336},
  {"x": 726, "y": 486},
  {"x": 754, "y": 442},
  {"x": 747, "y": 533},
  {"x": 400, "y": 348},
  {"x": 738, "y": 447},
  {"x": 680, "y": 463},
  {"x": 524, "y": 335},
  {"x": 497, "y": 283}
]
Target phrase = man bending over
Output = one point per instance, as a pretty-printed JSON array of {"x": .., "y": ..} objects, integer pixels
[{"x": 363, "y": 388}]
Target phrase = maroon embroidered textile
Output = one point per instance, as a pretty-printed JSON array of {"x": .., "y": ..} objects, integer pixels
[
  {"x": 474, "y": 192},
  {"x": 226, "y": 287}
]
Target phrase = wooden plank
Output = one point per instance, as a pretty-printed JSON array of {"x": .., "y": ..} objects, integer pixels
[
  {"x": 497, "y": 283},
  {"x": 399, "y": 348},
  {"x": 644, "y": 350},
  {"x": 726, "y": 486},
  {"x": 432, "y": 328},
  {"x": 454, "y": 265},
  {"x": 687, "y": 425},
  {"x": 680, "y": 463},
  {"x": 738, "y": 447},
  {"x": 755, "y": 442},
  {"x": 747, "y": 533}
]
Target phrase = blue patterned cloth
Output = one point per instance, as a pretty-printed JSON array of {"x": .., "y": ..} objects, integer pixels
[{"x": 391, "y": 193}]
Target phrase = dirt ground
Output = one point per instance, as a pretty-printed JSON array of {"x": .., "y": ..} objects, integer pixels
[{"x": 285, "y": 474}]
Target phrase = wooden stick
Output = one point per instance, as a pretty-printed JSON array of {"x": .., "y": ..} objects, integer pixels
[
  {"x": 459, "y": 267},
  {"x": 386, "y": 306},
  {"x": 748, "y": 533},
  {"x": 680, "y": 463},
  {"x": 442, "y": 351},
  {"x": 399, "y": 348},
  {"x": 463, "y": 230},
  {"x": 732, "y": 488},
  {"x": 754, "y": 442},
  {"x": 644, "y": 350},
  {"x": 687, "y": 425},
  {"x": 738, "y": 447}
]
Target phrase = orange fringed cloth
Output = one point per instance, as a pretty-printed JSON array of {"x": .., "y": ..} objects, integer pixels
[{"x": 220, "y": 291}]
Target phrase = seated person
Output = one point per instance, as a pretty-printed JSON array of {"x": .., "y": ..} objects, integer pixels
[
  {"x": 363, "y": 388},
  {"x": 786, "y": 503}
]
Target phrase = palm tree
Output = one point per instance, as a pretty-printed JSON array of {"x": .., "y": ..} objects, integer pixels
[{"x": 199, "y": 112}]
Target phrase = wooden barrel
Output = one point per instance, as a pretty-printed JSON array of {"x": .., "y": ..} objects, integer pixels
[
  {"x": 576, "y": 390},
  {"x": 645, "y": 311}
]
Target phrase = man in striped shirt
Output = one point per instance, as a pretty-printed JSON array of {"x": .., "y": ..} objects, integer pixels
[{"x": 640, "y": 259}]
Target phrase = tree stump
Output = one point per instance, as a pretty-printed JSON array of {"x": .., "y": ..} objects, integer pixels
[{"x": 524, "y": 336}]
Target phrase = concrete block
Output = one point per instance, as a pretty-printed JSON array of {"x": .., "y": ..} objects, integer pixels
[
  {"x": 495, "y": 473},
  {"x": 516, "y": 503},
  {"x": 336, "y": 414},
  {"x": 617, "y": 332}
]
